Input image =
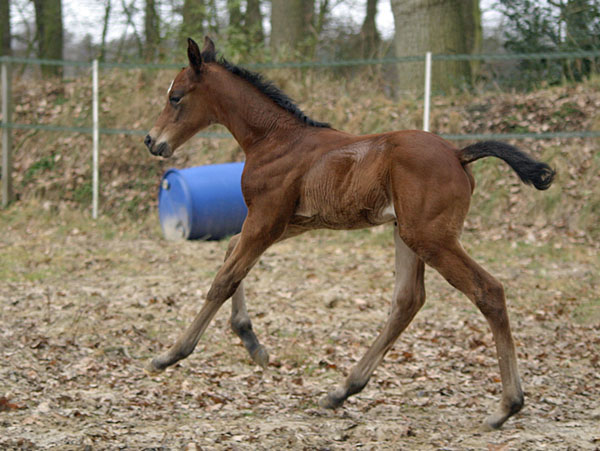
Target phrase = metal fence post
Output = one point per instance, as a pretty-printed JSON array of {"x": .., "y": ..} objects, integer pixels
[
  {"x": 427, "y": 91},
  {"x": 95, "y": 139},
  {"x": 7, "y": 193}
]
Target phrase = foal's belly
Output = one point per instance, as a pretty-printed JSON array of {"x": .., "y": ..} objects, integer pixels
[
  {"x": 343, "y": 191},
  {"x": 343, "y": 220}
]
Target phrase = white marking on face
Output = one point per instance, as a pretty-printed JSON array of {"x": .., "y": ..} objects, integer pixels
[
  {"x": 165, "y": 136},
  {"x": 170, "y": 86}
]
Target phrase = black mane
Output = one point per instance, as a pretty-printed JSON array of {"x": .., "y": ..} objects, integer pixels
[{"x": 267, "y": 88}]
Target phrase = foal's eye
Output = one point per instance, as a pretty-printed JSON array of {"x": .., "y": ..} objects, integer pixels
[{"x": 174, "y": 100}]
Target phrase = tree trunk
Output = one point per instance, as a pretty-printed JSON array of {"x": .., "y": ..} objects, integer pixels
[
  {"x": 234, "y": 9},
  {"x": 213, "y": 17},
  {"x": 441, "y": 27},
  {"x": 579, "y": 18},
  {"x": 49, "y": 33},
  {"x": 579, "y": 15},
  {"x": 151, "y": 31},
  {"x": 321, "y": 17},
  {"x": 369, "y": 37},
  {"x": 5, "y": 48},
  {"x": 107, "y": 8},
  {"x": 194, "y": 16},
  {"x": 253, "y": 21},
  {"x": 128, "y": 10},
  {"x": 292, "y": 25},
  {"x": 471, "y": 24}
]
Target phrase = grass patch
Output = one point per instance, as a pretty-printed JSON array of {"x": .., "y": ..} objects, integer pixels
[
  {"x": 550, "y": 275},
  {"x": 43, "y": 243},
  {"x": 587, "y": 312},
  {"x": 83, "y": 193},
  {"x": 45, "y": 163}
]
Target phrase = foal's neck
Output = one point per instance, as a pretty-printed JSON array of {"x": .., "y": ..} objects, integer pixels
[{"x": 250, "y": 115}]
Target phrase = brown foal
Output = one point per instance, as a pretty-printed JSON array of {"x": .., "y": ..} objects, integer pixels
[{"x": 302, "y": 175}]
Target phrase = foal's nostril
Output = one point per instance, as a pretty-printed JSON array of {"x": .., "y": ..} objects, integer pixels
[{"x": 148, "y": 141}]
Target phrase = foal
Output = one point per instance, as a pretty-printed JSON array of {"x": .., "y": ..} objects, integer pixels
[{"x": 302, "y": 175}]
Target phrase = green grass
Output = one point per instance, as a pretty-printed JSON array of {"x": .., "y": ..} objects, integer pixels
[
  {"x": 42, "y": 243},
  {"x": 567, "y": 110},
  {"x": 45, "y": 163},
  {"x": 535, "y": 274},
  {"x": 587, "y": 312},
  {"x": 83, "y": 193},
  {"x": 546, "y": 275},
  {"x": 35, "y": 245}
]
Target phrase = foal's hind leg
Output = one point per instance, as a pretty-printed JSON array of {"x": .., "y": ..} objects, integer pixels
[
  {"x": 240, "y": 321},
  {"x": 487, "y": 294},
  {"x": 409, "y": 296}
]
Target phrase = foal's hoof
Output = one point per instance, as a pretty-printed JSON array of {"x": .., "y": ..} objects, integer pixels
[
  {"x": 331, "y": 401},
  {"x": 261, "y": 356},
  {"x": 493, "y": 422},
  {"x": 487, "y": 427},
  {"x": 506, "y": 410},
  {"x": 152, "y": 370}
]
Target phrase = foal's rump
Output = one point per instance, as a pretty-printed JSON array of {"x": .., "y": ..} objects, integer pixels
[{"x": 428, "y": 158}]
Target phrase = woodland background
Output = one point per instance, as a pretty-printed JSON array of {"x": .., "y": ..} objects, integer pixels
[
  {"x": 261, "y": 30},
  {"x": 84, "y": 304}
]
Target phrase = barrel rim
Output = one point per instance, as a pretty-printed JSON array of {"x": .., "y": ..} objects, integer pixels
[{"x": 186, "y": 193}]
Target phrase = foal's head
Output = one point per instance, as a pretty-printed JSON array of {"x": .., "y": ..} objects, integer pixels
[{"x": 188, "y": 108}]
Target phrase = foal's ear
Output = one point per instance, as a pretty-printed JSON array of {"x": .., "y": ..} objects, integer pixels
[
  {"x": 194, "y": 55},
  {"x": 209, "y": 46}
]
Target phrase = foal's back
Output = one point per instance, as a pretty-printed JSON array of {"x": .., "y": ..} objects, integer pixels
[{"x": 362, "y": 181}]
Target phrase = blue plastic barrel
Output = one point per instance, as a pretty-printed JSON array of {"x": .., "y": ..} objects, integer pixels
[{"x": 203, "y": 202}]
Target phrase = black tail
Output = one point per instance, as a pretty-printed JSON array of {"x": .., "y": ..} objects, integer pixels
[{"x": 529, "y": 170}]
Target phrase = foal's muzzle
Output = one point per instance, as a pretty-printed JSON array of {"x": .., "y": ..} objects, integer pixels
[{"x": 162, "y": 150}]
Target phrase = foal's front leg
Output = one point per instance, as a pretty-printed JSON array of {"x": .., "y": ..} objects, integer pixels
[
  {"x": 240, "y": 321},
  {"x": 252, "y": 243},
  {"x": 242, "y": 326}
]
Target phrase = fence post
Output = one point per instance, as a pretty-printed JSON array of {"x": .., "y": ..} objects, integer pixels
[
  {"x": 7, "y": 193},
  {"x": 427, "y": 91},
  {"x": 95, "y": 139}
]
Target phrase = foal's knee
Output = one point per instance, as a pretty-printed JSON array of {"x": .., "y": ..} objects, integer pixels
[
  {"x": 221, "y": 290},
  {"x": 490, "y": 299}
]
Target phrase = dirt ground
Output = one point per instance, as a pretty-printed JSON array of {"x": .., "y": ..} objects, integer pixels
[{"x": 83, "y": 306}]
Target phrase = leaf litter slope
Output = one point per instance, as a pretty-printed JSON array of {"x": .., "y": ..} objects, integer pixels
[
  {"x": 56, "y": 166},
  {"x": 84, "y": 306}
]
